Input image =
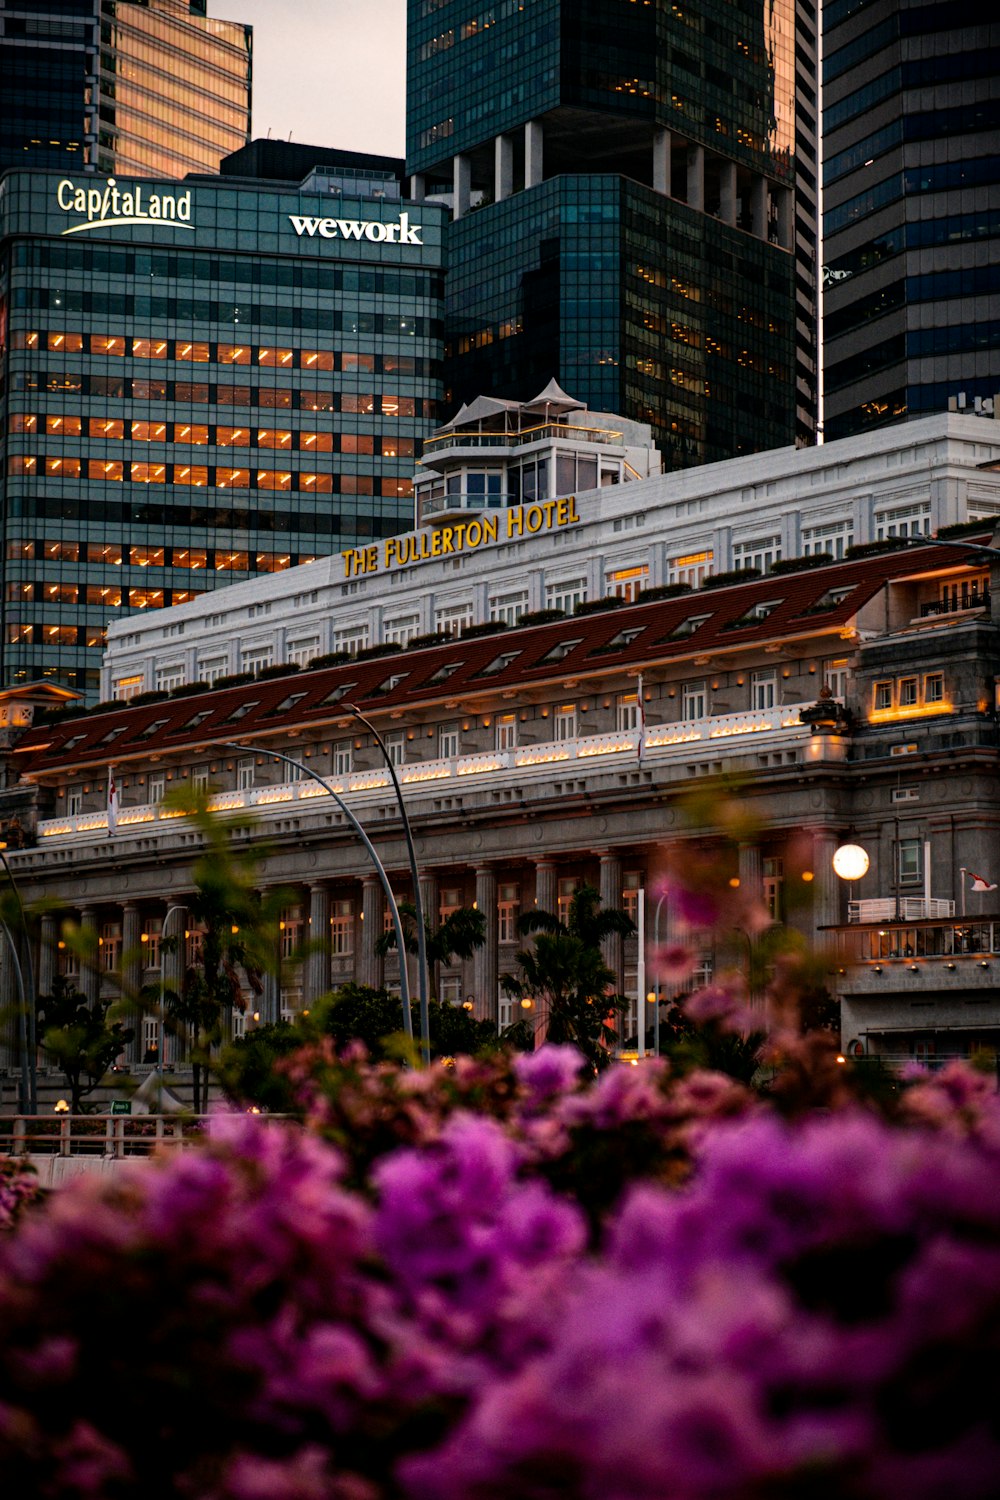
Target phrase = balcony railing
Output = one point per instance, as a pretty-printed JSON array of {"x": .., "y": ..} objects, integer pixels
[
  {"x": 978, "y": 599},
  {"x": 544, "y": 432},
  {"x": 662, "y": 744},
  {"x": 957, "y": 939},
  {"x": 907, "y": 908},
  {"x": 445, "y": 505}
]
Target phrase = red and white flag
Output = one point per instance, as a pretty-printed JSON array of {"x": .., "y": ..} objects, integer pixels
[
  {"x": 640, "y": 719},
  {"x": 980, "y": 883},
  {"x": 112, "y": 803}
]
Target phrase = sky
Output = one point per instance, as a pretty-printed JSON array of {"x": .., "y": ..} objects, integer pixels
[{"x": 330, "y": 72}]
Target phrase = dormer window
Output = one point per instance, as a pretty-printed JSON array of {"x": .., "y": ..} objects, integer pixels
[
  {"x": 498, "y": 664},
  {"x": 558, "y": 652},
  {"x": 686, "y": 627}
]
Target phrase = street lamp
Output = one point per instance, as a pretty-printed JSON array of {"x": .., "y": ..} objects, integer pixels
[
  {"x": 404, "y": 985},
  {"x": 160, "y": 1042},
  {"x": 418, "y": 903}
]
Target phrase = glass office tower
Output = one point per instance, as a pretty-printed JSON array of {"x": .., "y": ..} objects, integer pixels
[
  {"x": 633, "y": 197},
  {"x": 200, "y": 381},
  {"x": 911, "y": 175},
  {"x": 146, "y": 88}
]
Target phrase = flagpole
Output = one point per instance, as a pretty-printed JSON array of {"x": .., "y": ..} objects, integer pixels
[{"x": 961, "y": 875}]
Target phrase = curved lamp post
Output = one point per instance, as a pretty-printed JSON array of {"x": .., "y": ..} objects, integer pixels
[
  {"x": 27, "y": 1025},
  {"x": 404, "y": 986},
  {"x": 418, "y": 904}
]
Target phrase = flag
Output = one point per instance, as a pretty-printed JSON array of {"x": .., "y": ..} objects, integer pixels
[
  {"x": 640, "y": 719},
  {"x": 112, "y": 803},
  {"x": 980, "y": 883}
]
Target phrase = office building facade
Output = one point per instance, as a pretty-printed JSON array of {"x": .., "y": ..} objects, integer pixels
[
  {"x": 151, "y": 89},
  {"x": 199, "y": 382},
  {"x": 911, "y": 210},
  {"x": 633, "y": 197}
]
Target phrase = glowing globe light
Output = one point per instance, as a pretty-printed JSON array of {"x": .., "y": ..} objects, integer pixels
[{"x": 850, "y": 861}]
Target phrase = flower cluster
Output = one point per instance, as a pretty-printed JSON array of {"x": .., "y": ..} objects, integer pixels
[
  {"x": 527, "y": 1281},
  {"x": 18, "y": 1187}
]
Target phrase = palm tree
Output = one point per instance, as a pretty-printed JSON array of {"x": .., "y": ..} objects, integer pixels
[{"x": 565, "y": 968}]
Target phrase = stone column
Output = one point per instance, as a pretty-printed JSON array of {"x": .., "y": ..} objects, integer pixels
[
  {"x": 317, "y": 975},
  {"x": 486, "y": 962},
  {"x": 90, "y": 970},
  {"x": 758, "y": 205},
  {"x": 418, "y": 187},
  {"x": 173, "y": 965},
  {"x": 503, "y": 168},
  {"x": 751, "y": 870},
  {"x": 48, "y": 953},
  {"x": 431, "y": 901},
  {"x": 546, "y": 890},
  {"x": 461, "y": 185},
  {"x": 133, "y": 963},
  {"x": 534, "y": 149},
  {"x": 661, "y": 163},
  {"x": 696, "y": 177},
  {"x": 613, "y": 947},
  {"x": 727, "y": 205},
  {"x": 372, "y": 967},
  {"x": 827, "y": 908}
]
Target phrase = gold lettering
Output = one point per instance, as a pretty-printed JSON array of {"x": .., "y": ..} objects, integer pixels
[
  {"x": 446, "y": 539},
  {"x": 459, "y": 536},
  {"x": 549, "y": 508},
  {"x": 390, "y": 551},
  {"x": 515, "y": 522},
  {"x": 370, "y": 563},
  {"x": 562, "y": 514},
  {"x": 474, "y": 533},
  {"x": 572, "y": 509},
  {"x": 489, "y": 528},
  {"x": 533, "y": 519}
]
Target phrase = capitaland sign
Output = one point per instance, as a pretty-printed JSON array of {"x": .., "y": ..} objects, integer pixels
[
  {"x": 105, "y": 205},
  {"x": 511, "y": 525},
  {"x": 402, "y": 232}
]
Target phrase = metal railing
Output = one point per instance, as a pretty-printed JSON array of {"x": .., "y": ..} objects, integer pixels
[
  {"x": 677, "y": 740},
  {"x": 964, "y": 938},
  {"x": 906, "y": 909},
  {"x": 558, "y": 431},
  {"x": 113, "y": 1136}
]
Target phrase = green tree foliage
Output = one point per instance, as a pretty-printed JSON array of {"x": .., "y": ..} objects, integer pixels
[
  {"x": 238, "y": 930},
  {"x": 458, "y": 936},
  {"x": 565, "y": 970},
  {"x": 80, "y": 1038}
]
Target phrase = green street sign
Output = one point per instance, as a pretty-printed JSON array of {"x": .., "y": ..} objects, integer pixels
[{"x": 121, "y": 1106}]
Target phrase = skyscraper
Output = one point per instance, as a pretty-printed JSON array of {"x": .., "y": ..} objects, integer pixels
[
  {"x": 911, "y": 176},
  {"x": 148, "y": 88},
  {"x": 633, "y": 198}
]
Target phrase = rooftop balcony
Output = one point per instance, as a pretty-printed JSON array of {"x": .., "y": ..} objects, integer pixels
[
  {"x": 546, "y": 432},
  {"x": 442, "y": 506},
  {"x": 671, "y": 747},
  {"x": 971, "y": 939},
  {"x": 909, "y": 908}
]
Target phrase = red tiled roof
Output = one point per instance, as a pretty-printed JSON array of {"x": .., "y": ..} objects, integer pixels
[{"x": 404, "y": 679}]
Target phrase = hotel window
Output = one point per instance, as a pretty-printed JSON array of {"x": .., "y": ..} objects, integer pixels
[
  {"x": 566, "y": 595},
  {"x": 625, "y": 583},
  {"x": 168, "y": 678},
  {"x": 882, "y": 696},
  {"x": 934, "y": 687},
  {"x": 199, "y": 778},
  {"x": 401, "y": 630},
  {"x": 909, "y": 857},
  {"x": 198, "y": 354},
  {"x": 124, "y": 688},
  {"x": 149, "y": 348},
  {"x": 303, "y": 651},
  {"x": 63, "y": 426},
  {"x": 692, "y": 568},
  {"x": 774, "y": 880},
  {"x": 246, "y": 770},
  {"x": 341, "y": 929},
  {"x": 762, "y": 553},
  {"x": 74, "y": 802},
  {"x": 509, "y": 607},
  {"x": 908, "y": 692},
  {"x": 627, "y": 712},
  {"x": 189, "y": 432},
  {"x": 631, "y": 888},
  {"x": 232, "y": 437},
  {"x": 156, "y": 787},
  {"x": 353, "y": 638},
  {"x": 835, "y": 678},
  {"x": 694, "y": 699},
  {"x": 148, "y": 432},
  {"x": 342, "y": 758},
  {"x": 395, "y": 744},
  {"x": 290, "y": 931},
  {"x": 234, "y": 354},
  {"x": 275, "y": 356},
  {"x": 564, "y": 722},
  {"x": 506, "y": 731},
  {"x": 256, "y": 658},
  {"x": 316, "y": 442},
  {"x": 564, "y": 898},
  {"x": 834, "y": 539},
  {"x": 451, "y": 902},
  {"x": 212, "y": 668},
  {"x": 763, "y": 689},
  {"x": 110, "y": 945},
  {"x": 447, "y": 741},
  {"x": 152, "y": 931},
  {"x": 508, "y": 911},
  {"x": 906, "y": 520},
  {"x": 453, "y": 618}
]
